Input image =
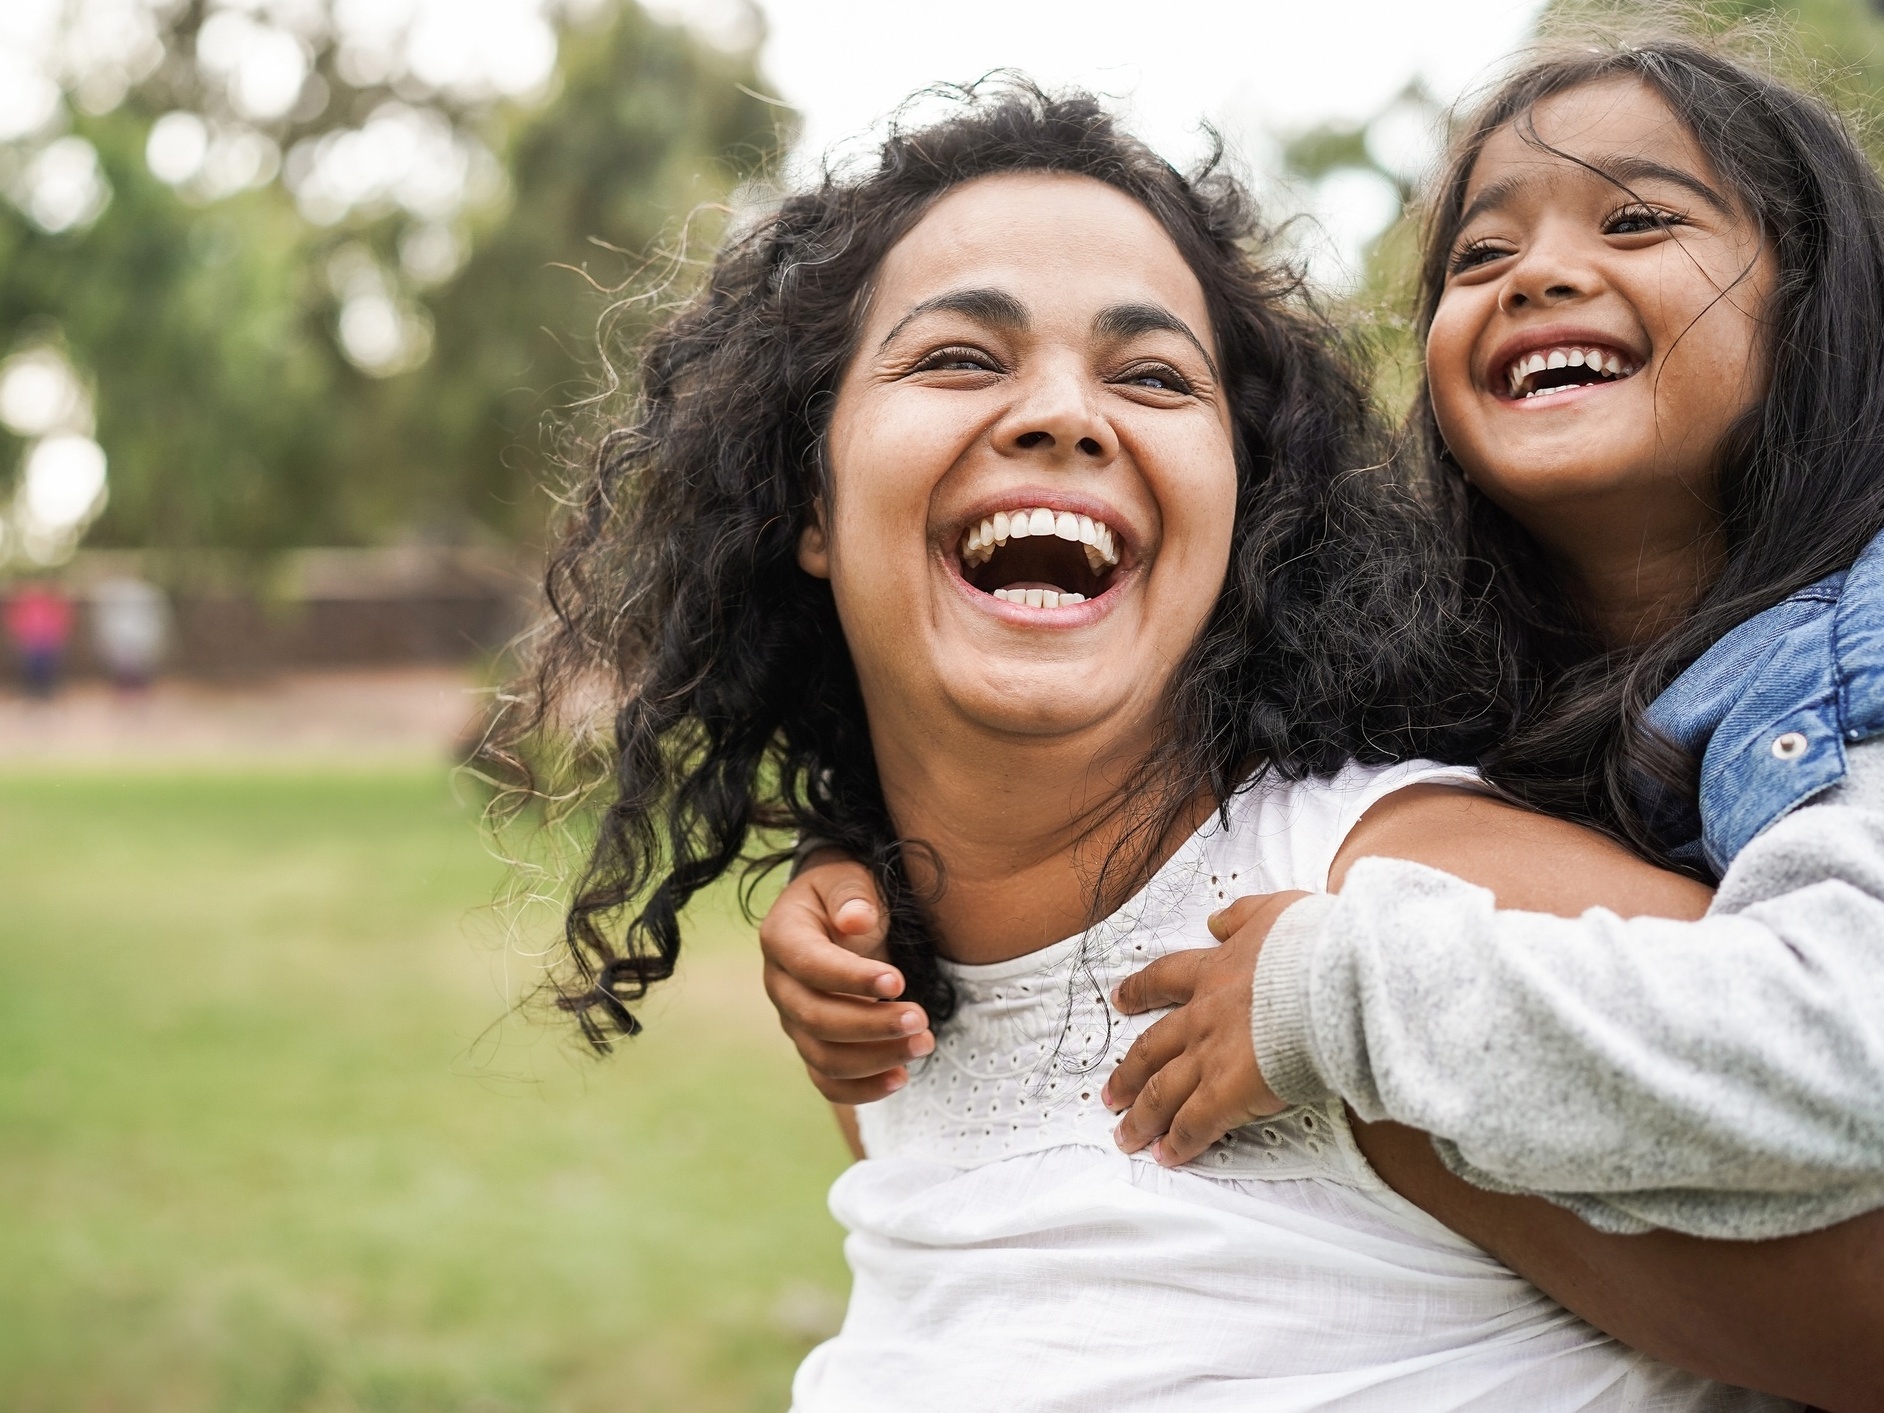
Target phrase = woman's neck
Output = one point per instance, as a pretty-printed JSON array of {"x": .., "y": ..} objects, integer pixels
[{"x": 1019, "y": 828}]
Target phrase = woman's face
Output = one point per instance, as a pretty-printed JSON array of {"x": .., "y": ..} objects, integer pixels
[
  {"x": 1032, "y": 468},
  {"x": 1602, "y": 325}
]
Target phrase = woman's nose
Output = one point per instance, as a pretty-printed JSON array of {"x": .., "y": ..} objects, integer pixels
[{"x": 1057, "y": 416}]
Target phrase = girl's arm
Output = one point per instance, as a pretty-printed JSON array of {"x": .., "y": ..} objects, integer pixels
[
  {"x": 1722, "y": 1077},
  {"x": 1802, "y": 1316}
]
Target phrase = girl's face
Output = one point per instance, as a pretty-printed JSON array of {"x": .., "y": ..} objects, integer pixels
[
  {"x": 1602, "y": 322},
  {"x": 1032, "y": 469}
]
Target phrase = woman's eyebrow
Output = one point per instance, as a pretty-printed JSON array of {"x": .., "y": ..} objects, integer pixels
[
  {"x": 984, "y": 306},
  {"x": 1124, "y": 321}
]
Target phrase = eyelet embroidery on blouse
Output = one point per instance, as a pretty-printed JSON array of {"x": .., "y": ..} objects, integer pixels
[{"x": 1020, "y": 1067}]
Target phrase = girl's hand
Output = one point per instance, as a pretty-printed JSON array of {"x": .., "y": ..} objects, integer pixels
[
  {"x": 1192, "y": 1077},
  {"x": 826, "y": 972}
]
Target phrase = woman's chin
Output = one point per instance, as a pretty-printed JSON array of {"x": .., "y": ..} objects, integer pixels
[{"x": 1040, "y": 701}]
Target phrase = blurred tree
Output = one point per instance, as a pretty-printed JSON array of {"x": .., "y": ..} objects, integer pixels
[{"x": 368, "y": 346}]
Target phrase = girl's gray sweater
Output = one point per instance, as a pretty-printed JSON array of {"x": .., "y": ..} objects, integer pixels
[{"x": 1723, "y": 1077}]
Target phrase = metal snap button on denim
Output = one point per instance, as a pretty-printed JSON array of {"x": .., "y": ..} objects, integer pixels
[{"x": 1789, "y": 746}]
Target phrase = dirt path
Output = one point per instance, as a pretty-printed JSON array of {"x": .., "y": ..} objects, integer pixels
[{"x": 404, "y": 713}]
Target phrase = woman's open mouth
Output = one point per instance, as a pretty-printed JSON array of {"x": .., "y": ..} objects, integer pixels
[
  {"x": 1541, "y": 372},
  {"x": 1040, "y": 558}
]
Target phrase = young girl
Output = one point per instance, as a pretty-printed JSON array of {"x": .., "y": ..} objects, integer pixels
[
  {"x": 1653, "y": 301},
  {"x": 1701, "y": 482},
  {"x": 954, "y": 501}
]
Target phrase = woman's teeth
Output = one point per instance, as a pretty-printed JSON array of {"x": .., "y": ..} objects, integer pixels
[
  {"x": 1605, "y": 364},
  {"x": 1039, "y": 598},
  {"x": 1102, "y": 551}
]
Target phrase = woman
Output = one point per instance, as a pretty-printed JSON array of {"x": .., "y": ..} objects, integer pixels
[{"x": 954, "y": 504}]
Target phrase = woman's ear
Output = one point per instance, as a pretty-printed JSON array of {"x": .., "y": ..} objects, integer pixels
[{"x": 814, "y": 555}]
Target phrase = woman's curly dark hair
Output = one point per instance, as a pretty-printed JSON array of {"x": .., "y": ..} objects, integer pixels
[{"x": 676, "y": 582}]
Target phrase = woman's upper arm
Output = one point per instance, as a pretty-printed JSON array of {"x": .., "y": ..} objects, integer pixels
[{"x": 1530, "y": 861}]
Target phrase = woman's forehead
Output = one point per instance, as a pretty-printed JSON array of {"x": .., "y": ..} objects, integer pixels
[{"x": 1046, "y": 239}]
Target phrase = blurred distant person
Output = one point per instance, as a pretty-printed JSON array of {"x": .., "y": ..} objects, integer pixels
[
  {"x": 130, "y": 627},
  {"x": 39, "y": 624}
]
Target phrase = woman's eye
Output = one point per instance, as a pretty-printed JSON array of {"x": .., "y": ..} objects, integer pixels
[
  {"x": 957, "y": 360},
  {"x": 1640, "y": 220},
  {"x": 1478, "y": 252},
  {"x": 1157, "y": 376}
]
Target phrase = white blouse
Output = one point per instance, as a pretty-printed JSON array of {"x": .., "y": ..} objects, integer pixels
[{"x": 1006, "y": 1255}]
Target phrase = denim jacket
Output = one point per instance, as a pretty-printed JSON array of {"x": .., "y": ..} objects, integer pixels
[{"x": 1770, "y": 708}]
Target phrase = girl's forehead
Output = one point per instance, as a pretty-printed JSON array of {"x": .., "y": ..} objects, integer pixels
[{"x": 1613, "y": 130}]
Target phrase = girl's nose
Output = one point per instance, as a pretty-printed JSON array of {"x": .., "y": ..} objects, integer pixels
[
  {"x": 1550, "y": 272},
  {"x": 1057, "y": 416}
]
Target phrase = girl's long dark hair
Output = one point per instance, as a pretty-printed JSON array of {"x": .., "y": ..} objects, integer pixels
[
  {"x": 676, "y": 586},
  {"x": 1802, "y": 483}
]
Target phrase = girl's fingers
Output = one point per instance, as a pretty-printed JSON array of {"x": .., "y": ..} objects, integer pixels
[
  {"x": 795, "y": 938},
  {"x": 860, "y": 1091},
  {"x": 1169, "y": 981},
  {"x": 1254, "y": 910},
  {"x": 849, "y": 897},
  {"x": 1161, "y": 1043},
  {"x": 1164, "y": 1094},
  {"x": 841, "y": 1019},
  {"x": 861, "y": 1061},
  {"x": 1200, "y": 1122},
  {"x": 1226, "y": 922}
]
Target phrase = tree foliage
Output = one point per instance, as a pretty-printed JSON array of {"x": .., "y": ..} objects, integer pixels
[{"x": 210, "y": 324}]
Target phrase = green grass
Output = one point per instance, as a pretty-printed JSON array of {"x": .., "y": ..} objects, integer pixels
[{"x": 268, "y": 1142}]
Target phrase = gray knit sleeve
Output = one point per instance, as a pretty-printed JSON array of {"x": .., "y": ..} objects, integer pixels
[{"x": 1723, "y": 1077}]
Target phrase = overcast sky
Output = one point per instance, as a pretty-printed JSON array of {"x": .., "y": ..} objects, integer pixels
[
  {"x": 1251, "y": 67},
  {"x": 1240, "y": 63}
]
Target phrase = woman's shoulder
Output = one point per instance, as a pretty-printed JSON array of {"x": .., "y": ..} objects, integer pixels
[{"x": 1286, "y": 832}]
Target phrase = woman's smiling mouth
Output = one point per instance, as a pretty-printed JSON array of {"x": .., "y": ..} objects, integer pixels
[{"x": 1039, "y": 558}]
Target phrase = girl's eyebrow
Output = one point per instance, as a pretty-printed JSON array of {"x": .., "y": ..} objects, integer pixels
[
  {"x": 1620, "y": 171},
  {"x": 1624, "y": 170}
]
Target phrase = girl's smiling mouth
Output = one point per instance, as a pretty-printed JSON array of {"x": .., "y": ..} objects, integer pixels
[
  {"x": 1548, "y": 371},
  {"x": 1039, "y": 558}
]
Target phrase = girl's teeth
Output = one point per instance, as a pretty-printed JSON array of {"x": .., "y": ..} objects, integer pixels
[
  {"x": 1094, "y": 536},
  {"x": 1607, "y": 364}
]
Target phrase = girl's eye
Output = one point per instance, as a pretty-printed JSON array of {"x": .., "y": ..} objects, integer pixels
[
  {"x": 957, "y": 360},
  {"x": 1641, "y": 220},
  {"x": 1160, "y": 377},
  {"x": 1474, "y": 253}
]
